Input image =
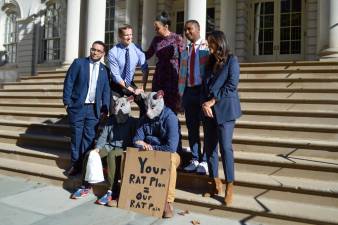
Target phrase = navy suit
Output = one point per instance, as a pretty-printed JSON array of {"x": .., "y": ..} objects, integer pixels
[
  {"x": 83, "y": 117},
  {"x": 222, "y": 86}
]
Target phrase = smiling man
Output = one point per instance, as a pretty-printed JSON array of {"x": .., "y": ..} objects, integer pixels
[
  {"x": 86, "y": 97},
  {"x": 123, "y": 59},
  {"x": 192, "y": 71}
]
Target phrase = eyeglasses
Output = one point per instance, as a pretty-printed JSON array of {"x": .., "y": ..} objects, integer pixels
[{"x": 96, "y": 50}]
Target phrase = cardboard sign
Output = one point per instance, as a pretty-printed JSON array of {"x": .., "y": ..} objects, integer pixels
[{"x": 145, "y": 182}]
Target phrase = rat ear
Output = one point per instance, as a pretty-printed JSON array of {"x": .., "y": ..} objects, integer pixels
[
  {"x": 130, "y": 98},
  {"x": 144, "y": 95},
  {"x": 115, "y": 96},
  {"x": 160, "y": 94}
]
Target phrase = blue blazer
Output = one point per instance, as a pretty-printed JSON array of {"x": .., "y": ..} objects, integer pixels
[
  {"x": 76, "y": 86},
  {"x": 223, "y": 86}
]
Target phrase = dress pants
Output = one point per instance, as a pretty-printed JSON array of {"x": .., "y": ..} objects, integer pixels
[
  {"x": 221, "y": 134},
  {"x": 192, "y": 109},
  {"x": 83, "y": 125},
  {"x": 175, "y": 162}
]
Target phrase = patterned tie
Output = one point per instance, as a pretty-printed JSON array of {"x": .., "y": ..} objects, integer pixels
[
  {"x": 92, "y": 83},
  {"x": 127, "y": 76},
  {"x": 192, "y": 66}
]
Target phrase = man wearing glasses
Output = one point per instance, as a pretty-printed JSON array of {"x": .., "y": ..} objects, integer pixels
[
  {"x": 123, "y": 59},
  {"x": 86, "y": 97}
]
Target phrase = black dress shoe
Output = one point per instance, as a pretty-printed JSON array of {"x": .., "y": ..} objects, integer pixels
[{"x": 72, "y": 171}]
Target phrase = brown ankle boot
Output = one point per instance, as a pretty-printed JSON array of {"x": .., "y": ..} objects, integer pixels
[
  {"x": 214, "y": 187},
  {"x": 229, "y": 194},
  {"x": 168, "y": 210}
]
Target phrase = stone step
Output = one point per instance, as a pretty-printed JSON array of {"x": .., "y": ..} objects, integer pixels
[
  {"x": 30, "y": 99},
  {"x": 285, "y": 74},
  {"x": 46, "y": 156},
  {"x": 291, "y": 70},
  {"x": 293, "y": 206},
  {"x": 33, "y": 93},
  {"x": 309, "y": 98},
  {"x": 43, "y": 79},
  {"x": 293, "y": 117},
  {"x": 284, "y": 157},
  {"x": 33, "y": 107},
  {"x": 34, "y": 90},
  {"x": 48, "y": 117},
  {"x": 244, "y": 195},
  {"x": 36, "y": 140},
  {"x": 288, "y": 106},
  {"x": 289, "y": 90},
  {"x": 289, "y": 100},
  {"x": 37, "y": 84},
  {"x": 246, "y": 76},
  {"x": 289, "y": 64},
  {"x": 61, "y": 128},
  {"x": 285, "y": 179},
  {"x": 320, "y": 183},
  {"x": 283, "y": 85},
  {"x": 289, "y": 95},
  {"x": 58, "y": 87},
  {"x": 255, "y": 200},
  {"x": 38, "y": 172},
  {"x": 275, "y": 158},
  {"x": 310, "y": 132}
]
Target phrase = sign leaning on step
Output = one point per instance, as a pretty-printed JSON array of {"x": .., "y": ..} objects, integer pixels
[{"x": 145, "y": 182}]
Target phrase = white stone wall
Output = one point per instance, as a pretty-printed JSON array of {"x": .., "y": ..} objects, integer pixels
[
  {"x": 120, "y": 15},
  {"x": 310, "y": 37},
  {"x": 242, "y": 30},
  {"x": 25, "y": 56},
  {"x": 217, "y": 5}
]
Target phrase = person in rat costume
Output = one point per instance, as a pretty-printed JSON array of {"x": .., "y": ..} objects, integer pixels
[
  {"x": 116, "y": 136},
  {"x": 158, "y": 130}
]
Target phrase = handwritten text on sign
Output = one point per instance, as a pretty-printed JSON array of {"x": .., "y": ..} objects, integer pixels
[{"x": 145, "y": 182}]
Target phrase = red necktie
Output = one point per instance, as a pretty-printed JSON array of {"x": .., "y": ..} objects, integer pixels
[{"x": 192, "y": 66}]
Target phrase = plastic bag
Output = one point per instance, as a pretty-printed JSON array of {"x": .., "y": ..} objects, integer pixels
[{"x": 94, "y": 172}]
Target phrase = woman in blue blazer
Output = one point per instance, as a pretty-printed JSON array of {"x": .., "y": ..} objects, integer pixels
[{"x": 221, "y": 108}]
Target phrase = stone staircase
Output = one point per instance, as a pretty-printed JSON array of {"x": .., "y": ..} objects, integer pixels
[{"x": 286, "y": 142}]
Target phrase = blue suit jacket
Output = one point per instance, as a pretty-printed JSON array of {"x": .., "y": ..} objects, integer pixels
[
  {"x": 76, "y": 87},
  {"x": 223, "y": 86}
]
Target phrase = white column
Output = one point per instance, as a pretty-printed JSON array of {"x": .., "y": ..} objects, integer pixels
[
  {"x": 196, "y": 10},
  {"x": 132, "y": 16},
  {"x": 228, "y": 21},
  {"x": 72, "y": 31},
  {"x": 331, "y": 53},
  {"x": 95, "y": 22},
  {"x": 149, "y": 15}
]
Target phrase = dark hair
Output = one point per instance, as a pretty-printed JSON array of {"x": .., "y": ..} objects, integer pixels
[
  {"x": 223, "y": 49},
  {"x": 164, "y": 18},
  {"x": 195, "y": 22},
  {"x": 101, "y": 43},
  {"x": 122, "y": 28}
]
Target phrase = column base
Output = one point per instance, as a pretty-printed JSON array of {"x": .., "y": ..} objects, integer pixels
[
  {"x": 64, "y": 65},
  {"x": 329, "y": 54}
]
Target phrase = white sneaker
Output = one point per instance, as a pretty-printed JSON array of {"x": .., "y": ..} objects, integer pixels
[
  {"x": 202, "y": 168},
  {"x": 186, "y": 149},
  {"x": 192, "y": 166}
]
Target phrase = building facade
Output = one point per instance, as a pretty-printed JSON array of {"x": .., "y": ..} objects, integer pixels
[{"x": 42, "y": 34}]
